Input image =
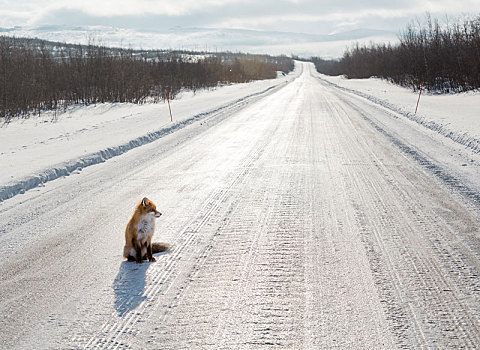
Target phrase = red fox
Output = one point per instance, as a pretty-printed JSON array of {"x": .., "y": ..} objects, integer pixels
[{"x": 139, "y": 232}]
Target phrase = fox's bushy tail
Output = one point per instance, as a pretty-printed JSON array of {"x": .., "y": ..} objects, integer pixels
[{"x": 160, "y": 247}]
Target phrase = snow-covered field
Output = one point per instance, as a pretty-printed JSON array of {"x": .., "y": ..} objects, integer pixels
[{"x": 301, "y": 215}]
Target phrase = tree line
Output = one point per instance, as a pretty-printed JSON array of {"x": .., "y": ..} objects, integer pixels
[
  {"x": 37, "y": 75},
  {"x": 443, "y": 58}
]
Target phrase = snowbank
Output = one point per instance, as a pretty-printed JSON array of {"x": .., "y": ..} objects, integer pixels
[{"x": 456, "y": 116}]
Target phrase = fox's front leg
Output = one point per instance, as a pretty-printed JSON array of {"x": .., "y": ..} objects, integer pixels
[
  {"x": 138, "y": 250},
  {"x": 149, "y": 251}
]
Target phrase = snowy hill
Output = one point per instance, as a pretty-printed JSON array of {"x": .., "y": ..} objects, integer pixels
[{"x": 208, "y": 39}]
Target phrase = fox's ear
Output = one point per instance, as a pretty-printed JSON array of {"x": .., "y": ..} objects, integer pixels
[{"x": 144, "y": 201}]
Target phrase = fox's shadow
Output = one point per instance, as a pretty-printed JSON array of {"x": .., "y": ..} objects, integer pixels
[{"x": 129, "y": 286}]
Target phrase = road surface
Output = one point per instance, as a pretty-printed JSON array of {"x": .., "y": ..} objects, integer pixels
[{"x": 304, "y": 220}]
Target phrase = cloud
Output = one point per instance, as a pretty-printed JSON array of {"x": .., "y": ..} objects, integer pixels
[
  {"x": 11, "y": 18},
  {"x": 382, "y": 16},
  {"x": 311, "y": 16},
  {"x": 112, "y": 8}
]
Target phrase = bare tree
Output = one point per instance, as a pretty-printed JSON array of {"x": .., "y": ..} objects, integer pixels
[{"x": 443, "y": 58}]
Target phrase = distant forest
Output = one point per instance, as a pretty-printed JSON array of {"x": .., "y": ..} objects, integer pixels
[
  {"x": 445, "y": 58},
  {"x": 37, "y": 75}
]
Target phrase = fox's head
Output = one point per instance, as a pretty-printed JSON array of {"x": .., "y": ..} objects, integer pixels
[{"x": 148, "y": 207}]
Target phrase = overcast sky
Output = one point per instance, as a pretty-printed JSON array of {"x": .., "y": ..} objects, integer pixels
[{"x": 307, "y": 16}]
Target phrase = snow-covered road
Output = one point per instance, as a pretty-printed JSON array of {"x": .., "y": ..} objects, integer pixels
[{"x": 308, "y": 218}]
